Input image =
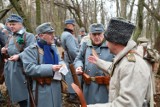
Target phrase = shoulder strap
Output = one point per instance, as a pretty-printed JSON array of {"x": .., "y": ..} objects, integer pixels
[
  {"x": 38, "y": 58},
  {"x": 130, "y": 58}
]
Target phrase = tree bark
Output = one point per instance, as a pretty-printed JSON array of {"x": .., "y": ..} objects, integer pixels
[
  {"x": 38, "y": 12},
  {"x": 123, "y": 8},
  {"x": 153, "y": 12},
  {"x": 19, "y": 10},
  {"x": 131, "y": 10},
  {"x": 139, "y": 20}
]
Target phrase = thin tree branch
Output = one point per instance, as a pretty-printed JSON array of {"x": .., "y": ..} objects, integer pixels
[{"x": 153, "y": 13}]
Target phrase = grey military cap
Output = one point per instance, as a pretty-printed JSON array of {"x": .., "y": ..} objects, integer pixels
[
  {"x": 96, "y": 28},
  {"x": 44, "y": 28},
  {"x": 70, "y": 21},
  {"x": 14, "y": 18},
  {"x": 82, "y": 29}
]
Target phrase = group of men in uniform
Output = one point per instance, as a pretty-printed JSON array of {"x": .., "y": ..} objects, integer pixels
[{"x": 110, "y": 72}]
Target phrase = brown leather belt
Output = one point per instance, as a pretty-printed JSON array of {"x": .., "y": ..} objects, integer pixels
[
  {"x": 98, "y": 79},
  {"x": 43, "y": 80}
]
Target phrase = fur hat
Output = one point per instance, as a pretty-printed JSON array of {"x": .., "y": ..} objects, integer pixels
[{"x": 119, "y": 31}]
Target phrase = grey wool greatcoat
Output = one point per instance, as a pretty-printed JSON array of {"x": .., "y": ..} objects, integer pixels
[
  {"x": 48, "y": 95},
  {"x": 13, "y": 70},
  {"x": 94, "y": 93},
  {"x": 70, "y": 46}
]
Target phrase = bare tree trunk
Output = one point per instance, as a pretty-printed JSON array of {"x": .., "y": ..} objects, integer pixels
[
  {"x": 102, "y": 13},
  {"x": 148, "y": 26},
  {"x": 139, "y": 20},
  {"x": 38, "y": 12},
  {"x": 95, "y": 11},
  {"x": 131, "y": 10},
  {"x": 19, "y": 10},
  {"x": 117, "y": 8},
  {"x": 123, "y": 8}
]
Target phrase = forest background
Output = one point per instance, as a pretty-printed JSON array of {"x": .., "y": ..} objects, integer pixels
[{"x": 145, "y": 14}]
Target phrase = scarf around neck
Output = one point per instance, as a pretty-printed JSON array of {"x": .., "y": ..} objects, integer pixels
[
  {"x": 68, "y": 30},
  {"x": 50, "y": 56}
]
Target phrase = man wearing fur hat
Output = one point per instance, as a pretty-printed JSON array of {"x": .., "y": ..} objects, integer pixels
[
  {"x": 130, "y": 74},
  {"x": 41, "y": 63},
  {"x": 13, "y": 70},
  {"x": 93, "y": 89}
]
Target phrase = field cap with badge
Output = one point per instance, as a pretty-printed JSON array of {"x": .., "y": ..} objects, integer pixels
[
  {"x": 119, "y": 31},
  {"x": 70, "y": 21},
  {"x": 14, "y": 18},
  {"x": 44, "y": 28},
  {"x": 96, "y": 28}
]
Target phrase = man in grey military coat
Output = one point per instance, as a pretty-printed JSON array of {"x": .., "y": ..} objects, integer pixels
[
  {"x": 130, "y": 74},
  {"x": 70, "y": 46},
  {"x": 94, "y": 91},
  {"x": 13, "y": 70},
  {"x": 41, "y": 63}
]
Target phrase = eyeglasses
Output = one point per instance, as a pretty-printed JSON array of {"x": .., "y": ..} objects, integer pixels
[
  {"x": 49, "y": 33},
  {"x": 95, "y": 34}
]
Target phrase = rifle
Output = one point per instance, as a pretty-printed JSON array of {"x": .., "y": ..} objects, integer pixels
[
  {"x": 76, "y": 86},
  {"x": 29, "y": 87},
  {"x": 74, "y": 75}
]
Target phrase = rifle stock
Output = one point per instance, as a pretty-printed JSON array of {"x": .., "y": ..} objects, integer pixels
[
  {"x": 80, "y": 95},
  {"x": 74, "y": 75},
  {"x": 31, "y": 97}
]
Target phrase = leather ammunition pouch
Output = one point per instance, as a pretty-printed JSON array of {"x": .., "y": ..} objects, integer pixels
[
  {"x": 43, "y": 80},
  {"x": 98, "y": 79}
]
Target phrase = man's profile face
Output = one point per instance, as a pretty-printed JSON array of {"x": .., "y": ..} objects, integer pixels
[
  {"x": 48, "y": 37},
  {"x": 82, "y": 33},
  {"x": 15, "y": 26},
  {"x": 97, "y": 38},
  {"x": 70, "y": 26},
  {"x": 111, "y": 47}
]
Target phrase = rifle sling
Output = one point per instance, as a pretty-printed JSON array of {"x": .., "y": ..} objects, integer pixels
[{"x": 36, "y": 93}]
